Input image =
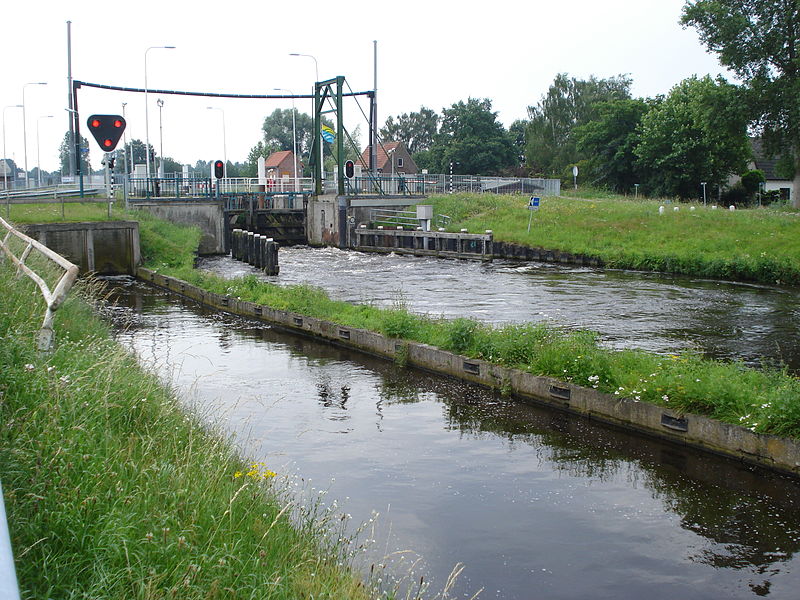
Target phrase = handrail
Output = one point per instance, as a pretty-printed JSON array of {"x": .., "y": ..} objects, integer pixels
[{"x": 54, "y": 298}]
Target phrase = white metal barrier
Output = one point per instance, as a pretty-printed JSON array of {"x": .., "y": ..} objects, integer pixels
[
  {"x": 53, "y": 298},
  {"x": 9, "y": 590}
]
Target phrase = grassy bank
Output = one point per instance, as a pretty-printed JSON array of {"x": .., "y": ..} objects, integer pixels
[
  {"x": 767, "y": 401},
  {"x": 749, "y": 245},
  {"x": 71, "y": 212},
  {"x": 114, "y": 491}
]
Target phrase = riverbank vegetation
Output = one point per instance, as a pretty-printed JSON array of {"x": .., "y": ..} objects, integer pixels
[
  {"x": 764, "y": 400},
  {"x": 760, "y": 245},
  {"x": 114, "y": 491}
]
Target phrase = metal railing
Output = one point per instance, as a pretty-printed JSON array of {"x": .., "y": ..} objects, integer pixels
[
  {"x": 251, "y": 201},
  {"x": 178, "y": 187},
  {"x": 429, "y": 184},
  {"x": 405, "y": 218},
  {"x": 53, "y": 298}
]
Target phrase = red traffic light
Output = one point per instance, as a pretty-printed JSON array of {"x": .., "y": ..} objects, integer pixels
[
  {"x": 107, "y": 130},
  {"x": 219, "y": 169},
  {"x": 349, "y": 169}
]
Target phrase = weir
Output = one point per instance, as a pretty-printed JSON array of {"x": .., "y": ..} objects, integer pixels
[{"x": 256, "y": 250}]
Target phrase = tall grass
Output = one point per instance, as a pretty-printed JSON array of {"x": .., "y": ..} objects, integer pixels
[
  {"x": 114, "y": 491},
  {"x": 69, "y": 212},
  {"x": 761, "y": 245}
]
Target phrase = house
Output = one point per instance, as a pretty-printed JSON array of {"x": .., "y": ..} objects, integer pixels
[
  {"x": 282, "y": 164},
  {"x": 767, "y": 166},
  {"x": 7, "y": 175},
  {"x": 392, "y": 157}
]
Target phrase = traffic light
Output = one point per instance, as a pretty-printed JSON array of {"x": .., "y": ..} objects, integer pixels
[
  {"x": 107, "y": 130},
  {"x": 219, "y": 169},
  {"x": 349, "y": 169}
]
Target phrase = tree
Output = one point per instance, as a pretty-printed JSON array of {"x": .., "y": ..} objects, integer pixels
[
  {"x": 570, "y": 102},
  {"x": 697, "y": 133},
  {"x": 759, "y": 40},
  {"x": 416, "y": 130},
  {"x": 277, "y": 129},
  {"x": 472, "y": 139},
  {"x": 137, "y": 155},
  {"x": 67, "y": 147},
  {"x": 608, "y": 144}
]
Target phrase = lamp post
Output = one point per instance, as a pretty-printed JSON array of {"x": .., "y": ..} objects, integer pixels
[
  {"x": 224, "y": 143},
  {"x": 160, "y": 104},
  {"x": 316, "y": 64},
  {"x": 294, "y": 134},
  {"x": 25, "y": 128},
  {"x": 38, "y": 162},
  {"x": 146, "y": 111},
  {"x": 125, "y": 141},
  {"x": 703, "y": 183}
]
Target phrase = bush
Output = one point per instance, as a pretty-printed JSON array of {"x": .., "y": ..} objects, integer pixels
[{"x": 736, "y": 195}]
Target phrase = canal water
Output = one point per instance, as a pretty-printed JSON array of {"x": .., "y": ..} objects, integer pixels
[
  {"x": 756, "y": 324},
  {"x": 532, "y": 502}
]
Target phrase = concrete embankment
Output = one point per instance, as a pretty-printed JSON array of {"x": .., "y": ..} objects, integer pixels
[{"x": 776, "y": 453}]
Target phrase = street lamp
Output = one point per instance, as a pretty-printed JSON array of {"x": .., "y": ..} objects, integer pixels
[
  {"x": 703, "y": 183},
  {"x": 24, "y": 127},
  {"x": 316, "y": 64},
  {"x": 125, "y": 142},
  {"x": 38, "y": 162},
  {"x": 160, "y": 104},
  {"x": 146, "y": 112},
  {"x": 294, "y": 134},
  {"x": 224, "y": 143}
]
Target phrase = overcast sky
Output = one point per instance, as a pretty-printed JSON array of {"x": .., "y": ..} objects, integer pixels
[{"x": 430, "y": 54}]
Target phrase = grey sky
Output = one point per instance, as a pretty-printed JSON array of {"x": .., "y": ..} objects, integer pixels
[{"x": 429, "y": 54}]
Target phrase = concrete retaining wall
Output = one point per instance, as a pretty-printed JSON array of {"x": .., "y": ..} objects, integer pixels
[
  {"x": 779, "y": 454},
  {"x": 103, "y": 247},
  {"x": 208, "y": 215}
]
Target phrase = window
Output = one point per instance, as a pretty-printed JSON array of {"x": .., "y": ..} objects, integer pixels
[{"x": 399, "y": 162}]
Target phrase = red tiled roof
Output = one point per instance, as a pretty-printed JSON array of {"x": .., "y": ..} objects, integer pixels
[
  {"x": 382, "y": 156},
  {"x": 276, "y": 158}
]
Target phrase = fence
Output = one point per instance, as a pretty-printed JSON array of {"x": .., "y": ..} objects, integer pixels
[
  {"x": 429, "y": 184},
  {"x": 404, "y": 218},
  {"x": 177, "y": 186},
  {"x": 54, "y": 298}
]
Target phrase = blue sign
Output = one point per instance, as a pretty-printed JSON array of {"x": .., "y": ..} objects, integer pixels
[{"x": 534, "y": 203}]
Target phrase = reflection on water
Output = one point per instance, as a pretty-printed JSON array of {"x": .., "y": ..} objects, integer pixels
[
  {"x": 535, "y": 503},
  {"x": 642, "y": 310}
]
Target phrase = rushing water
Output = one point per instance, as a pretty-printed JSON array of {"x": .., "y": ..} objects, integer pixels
[
  {"x": 534, "y": 503},
  {"x": 631, "y": 310}
]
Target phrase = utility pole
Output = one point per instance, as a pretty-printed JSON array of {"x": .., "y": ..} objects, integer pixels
[
  {"x": 373, "y": 141},
  {"x": 72, "y": 157}
]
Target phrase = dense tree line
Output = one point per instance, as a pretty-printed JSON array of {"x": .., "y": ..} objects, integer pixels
[{"x": 699, "y": 131}]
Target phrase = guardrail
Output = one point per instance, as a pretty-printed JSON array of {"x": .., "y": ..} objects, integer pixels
[{"x": 53, "y": 298}]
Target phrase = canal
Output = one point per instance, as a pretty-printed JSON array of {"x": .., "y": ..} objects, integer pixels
[
  {"x": 756, "y": 324},
  {"x": 533, "y": 503}
]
